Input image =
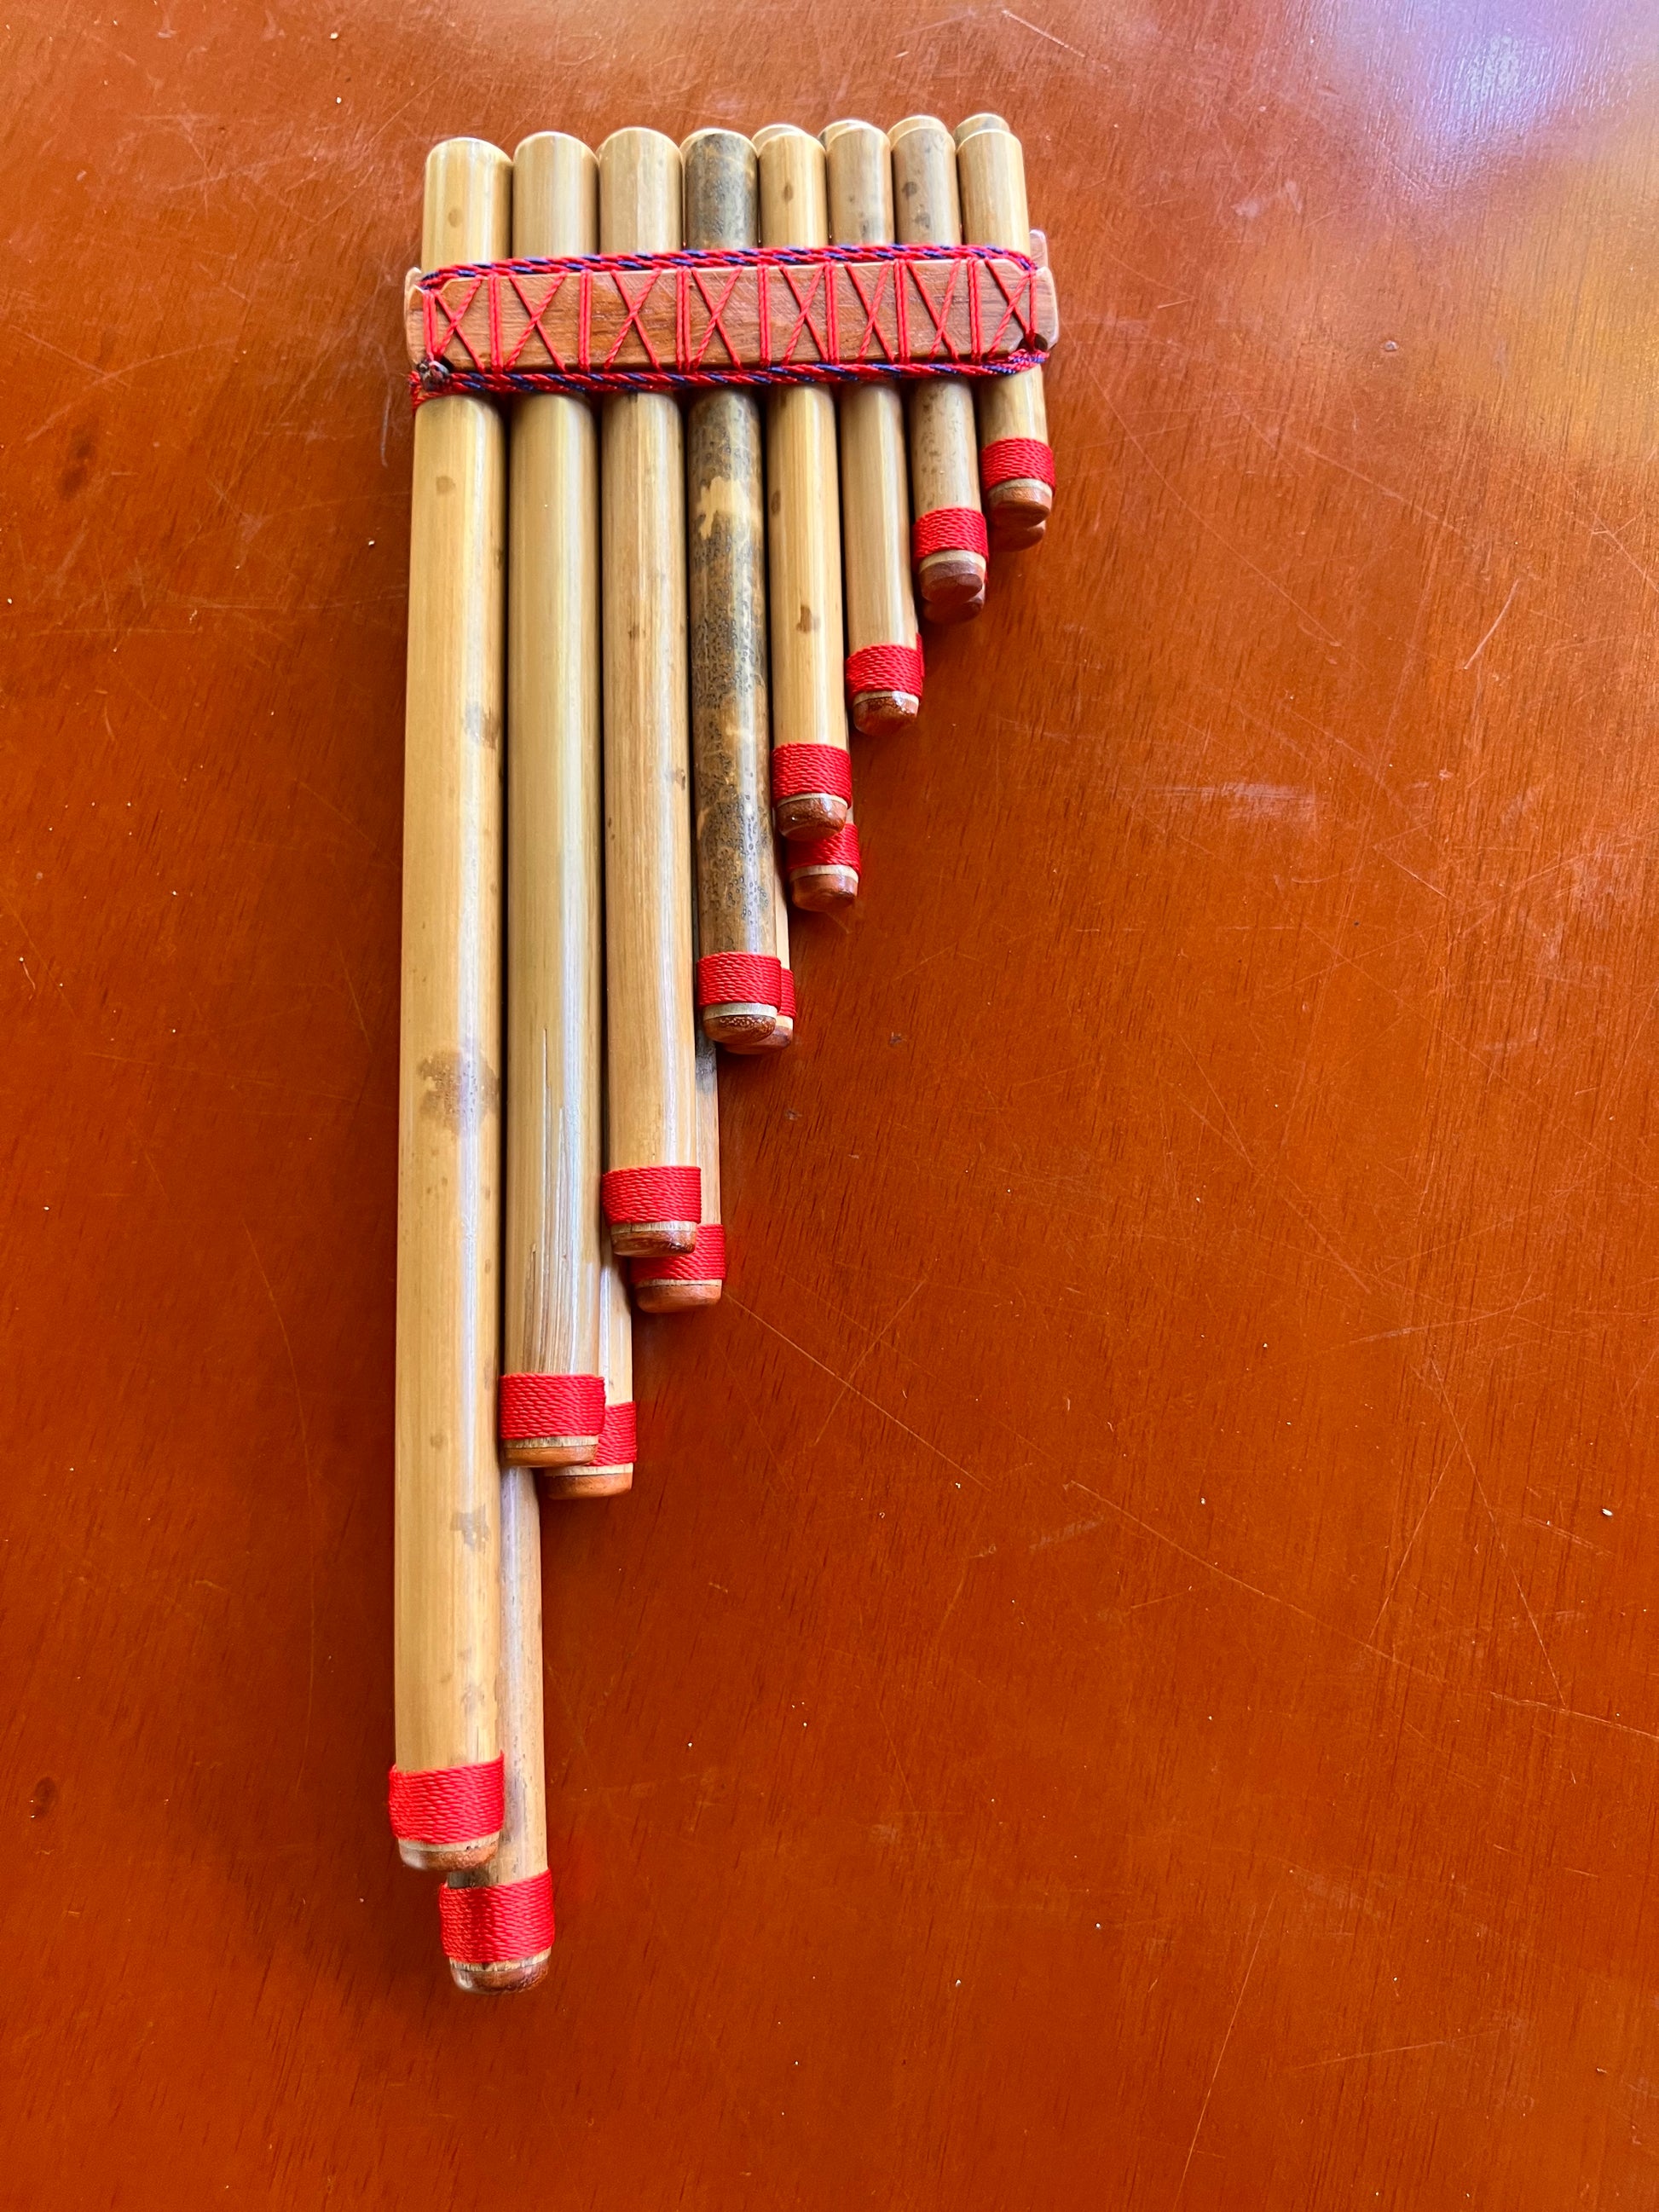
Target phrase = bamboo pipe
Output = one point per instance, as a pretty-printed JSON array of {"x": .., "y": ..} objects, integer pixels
[
  {"x": 555, "y": 967},
  {"x": 447, "y": 1586},
  {"x": 652, "y": 1110},
  {"x": 784, "y": 1032},
  {"x": 683, "y": 1285},
  {"x": 875, "y": 503},
  {"x": 944, "y": 449},
  {"x": 497, "y": 1921},
  {"x": 612, "y": 1468},
  {"x": 731, "y": 743},
  {"x": 809, "y": 705},
  {"x": 991, "y": 168}
]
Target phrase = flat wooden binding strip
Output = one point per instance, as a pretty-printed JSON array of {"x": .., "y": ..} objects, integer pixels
[{"x": 659, "y": 322}]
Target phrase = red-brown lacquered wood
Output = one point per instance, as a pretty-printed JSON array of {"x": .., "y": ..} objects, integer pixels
[{"x": 1125, "y": 1677}]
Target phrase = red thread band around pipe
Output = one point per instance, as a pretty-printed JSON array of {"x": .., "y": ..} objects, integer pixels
[
  {"x": 550, "y": 1405},
  {"x": 734, "y": 979},
  {"x": 949, "y": 530},
  {"x": 447, "y": 1804},
  {"x": 885, "y": 668},
  {"x": 650, "y": 1193},
  {"x": 1012, "y": 461},
  {"x": 704, "y": 1263},
  {"x": 619, "y": 1436},
  {"x": 800, "y": 768},
  {"x": 787, "y": 994},
  {"x": 839, "y": 851},
  {"x": 489, "y": 1923}
]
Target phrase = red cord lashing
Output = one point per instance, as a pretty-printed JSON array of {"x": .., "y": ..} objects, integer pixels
[
  {"x": 737, "y": 979},
  {"x": 1017, "y": 460},
  {"x": 786, "y": 995},
  {"x": 839, "y": 850},
  {"x": 704, "y": 1263},
  {"x": 948, "y": 530},
  {"x": 550, "y": 1405},
  {"x": 491, "y": 1924},
  {"x": 618, "y": 1438},
  {"x": 797, "y": 769},
  {"x": 885, "y": 668},
  {"x": 630, "y": 1194},
  {"x": 447, "y": 1804}
]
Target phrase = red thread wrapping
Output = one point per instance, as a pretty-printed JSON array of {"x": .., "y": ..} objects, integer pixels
[
  {"x": 786, "y": 995},
  {"x": 619, "y": 1437},
  {"x": 704, "y": 1263},
  {"x": 550, "y": 1405},
  {"x": 839, "y": 850},
  {"x": 491, "y": 1924},
  {"x": 1017, "y": 460},
  {"x": 798, "y": 769},
  {"x": 885, "y": 668},
  {"x": 630, "y": 1194},
  {"x": 447, "y": 1804},
  {"x": 949, "y": 530},
  {"x": 732, "y": 979}
]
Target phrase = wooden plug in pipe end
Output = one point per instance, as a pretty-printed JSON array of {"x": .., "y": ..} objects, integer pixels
[
  {"x": 990, "y": 173},
  {"x": 612, "y": 1470},
  {"x": 475, "y": 1935},
  {"x": 731, "y": 737},
  {"x": 556, "y": 965},
  {"x": 687, "y": 1293},
  {"x": 944, "y": 444},
  {"x": 651, "y": 1098},
  {"x": 446, "y": 1594},
  {"x": 809, "y": 706},
  {"x": 875, "y": 497}
]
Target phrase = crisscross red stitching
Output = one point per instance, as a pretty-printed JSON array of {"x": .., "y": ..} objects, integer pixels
[
  {"x": 1020, "y": 306},
  {"x": 631, "y": 320},
  {"x": 824, "y": 341},
  {"x": 939, "y": 313},
  {"x": 535, "y": 323}
]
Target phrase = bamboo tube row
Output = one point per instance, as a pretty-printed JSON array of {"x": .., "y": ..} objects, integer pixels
[{"x": 638, "y": 636}]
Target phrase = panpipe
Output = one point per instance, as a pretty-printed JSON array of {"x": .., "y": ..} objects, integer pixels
[{"x": 701, "y": 430}]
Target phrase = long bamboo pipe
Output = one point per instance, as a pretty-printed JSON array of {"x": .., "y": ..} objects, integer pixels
[
  {"x": 552, "y": 1391},
  {"x": 650, "y": 1187},
  {"x": 496, "y": 1921},
  {"x": 731, "y": 743},
  {"x": 445, "y": 1794}
]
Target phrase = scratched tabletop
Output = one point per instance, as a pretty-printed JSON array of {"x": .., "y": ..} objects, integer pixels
[{"x": 1127, "y": 1677}]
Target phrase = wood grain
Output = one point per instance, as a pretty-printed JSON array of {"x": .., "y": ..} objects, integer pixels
[{"x": 1125, "y": 1677}]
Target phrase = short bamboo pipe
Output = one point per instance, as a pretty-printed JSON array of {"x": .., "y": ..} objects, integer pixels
[
  {"x": 555, "y": 963},
  {"x": 731, "y": 743},
  {"x": 803, "y": 525},
  {"x": 612, "y": 1468},
  {"x": 447, "y": 1586},
  {"x": 652, "y": 1085},
  {"x": 521, "y": 1855},
  {"x": 685, "y": 1293},
  {"x": 991, "y": 170},
  {"x": 944, "y": 448},
  {"x": 875, "y": 502}
]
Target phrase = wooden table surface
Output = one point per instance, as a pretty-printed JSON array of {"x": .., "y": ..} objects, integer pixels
[{"x": 1127, "y": 1677}]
